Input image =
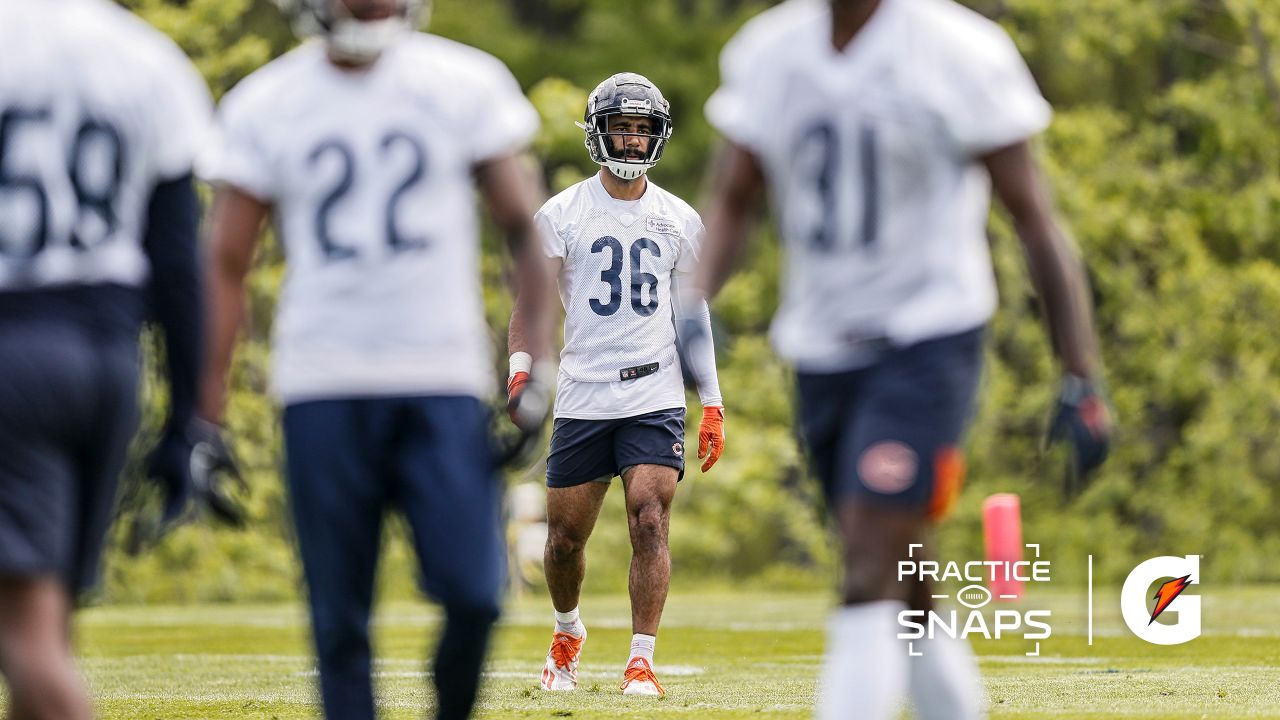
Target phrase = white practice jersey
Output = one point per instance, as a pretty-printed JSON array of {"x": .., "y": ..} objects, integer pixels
[
  {"x": 619, "y": 260},
  {"x": 370, "y": 176},
  {"x": 96, "y": 109},
  {"x": 872, "y": 156}
]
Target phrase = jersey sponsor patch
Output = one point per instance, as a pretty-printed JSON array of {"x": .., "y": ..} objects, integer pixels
[{"x": 659, "y": 224}]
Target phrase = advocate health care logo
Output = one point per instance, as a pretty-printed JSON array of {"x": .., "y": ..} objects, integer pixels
[{"x": 987, "y": 580}]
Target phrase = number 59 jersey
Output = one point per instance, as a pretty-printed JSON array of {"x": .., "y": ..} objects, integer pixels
[
  {"x": 370, "y": 175},
  {"x": 96, "y": 109},
  {"x": 872, "y": 156},
  {"x": 619, "y": 257}
]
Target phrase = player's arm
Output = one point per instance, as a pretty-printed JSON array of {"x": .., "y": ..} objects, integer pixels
[
  {"x": 510, "y": 192},
  {"x": 173, "y": 216},
  {"x": 699, "y": 362},
  {"x": 234, "y": 228},
  {"x": 174, "y": 300},
  {"x": 737, "y": 189},
  {"x": 1056, "y": 271}
]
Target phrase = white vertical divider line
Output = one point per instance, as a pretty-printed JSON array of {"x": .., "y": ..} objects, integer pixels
[{"x": 1090, "y": 601}]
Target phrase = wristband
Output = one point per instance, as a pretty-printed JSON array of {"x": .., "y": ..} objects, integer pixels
[{"x": 519, "y": 362}]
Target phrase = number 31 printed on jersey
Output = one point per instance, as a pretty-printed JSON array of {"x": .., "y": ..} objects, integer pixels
[{"x": 823, "y": 141}]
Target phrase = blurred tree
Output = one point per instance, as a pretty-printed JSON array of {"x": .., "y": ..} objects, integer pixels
[{"x": 1163, "y": 154}]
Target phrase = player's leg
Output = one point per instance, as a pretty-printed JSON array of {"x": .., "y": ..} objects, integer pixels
[
  {"x": 650, "y": 490},
  {"x": 580, "y": 466},
  {"x": 337, "y": 499},
  {"x": 650, "y": 449},
  {"x": 35, "y": 651},
  {"x": 865, "y": 670},
  {"x": 943, "y": 681},
  {"x": 885, "y": 441},
  {"x": 938, "y": 380},
  {"x": 449, "y": 491},
  {"x": 67, "y": 412},
  {"x": 571, "y": 517}
]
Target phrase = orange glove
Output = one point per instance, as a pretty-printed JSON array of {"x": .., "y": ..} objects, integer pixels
[
  {"x": 711, "y": 436},
  {"x": 515, "y": 386}
]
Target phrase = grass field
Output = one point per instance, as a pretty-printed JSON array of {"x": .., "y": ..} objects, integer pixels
[{"x": 722, "y": 655}]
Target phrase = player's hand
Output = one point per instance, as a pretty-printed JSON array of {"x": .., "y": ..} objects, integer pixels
[
  {"x": 195, "y": 465},
  {"x": 215, "y": 475},
  {"x": 515, "y": 387},
  {"x": 1082, "y": 420},
  {"x": 528, "y": 398},
  {"x": 711, "y": 436},
  {"x": 169, "y": 466}
]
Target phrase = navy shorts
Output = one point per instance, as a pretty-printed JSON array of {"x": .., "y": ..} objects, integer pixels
[
  {"x": 890, "y": 433},
  {"x": 586, "y": 450},
  {"x": 68, "y": 409},
  {"x": 351, "y": 460}
]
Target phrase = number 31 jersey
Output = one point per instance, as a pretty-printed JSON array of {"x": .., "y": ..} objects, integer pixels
[
  {"x": 96, "y": 109},
  {"x": 619, "y": 257},
  {"x": 369, "y": 173},
  {"x": 872, "y": 156}
]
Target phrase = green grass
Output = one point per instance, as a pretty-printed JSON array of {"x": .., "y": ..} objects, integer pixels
[{"x": 721, "y": 655}]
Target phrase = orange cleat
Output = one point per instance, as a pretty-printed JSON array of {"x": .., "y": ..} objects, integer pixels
[
  {"x": 561, "y": 670},
  {"x": 638, "y": 679}
]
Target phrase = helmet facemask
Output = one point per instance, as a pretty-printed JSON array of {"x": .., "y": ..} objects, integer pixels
[
  {"x": 634, "y": 96},
  {"x": 347, "y": 38}
]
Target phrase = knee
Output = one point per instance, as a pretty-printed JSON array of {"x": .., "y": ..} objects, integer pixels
[
  {"x": 341, "y": 637},
  {"x": 563, "y": 545},
  {"x": 863, "y": 583},
  {"x": 649, "y": 525}
]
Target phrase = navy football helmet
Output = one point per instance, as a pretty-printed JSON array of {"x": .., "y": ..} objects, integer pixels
[
  {"x": 347, "y": 38},
  {"x": 625, "y": 94}
]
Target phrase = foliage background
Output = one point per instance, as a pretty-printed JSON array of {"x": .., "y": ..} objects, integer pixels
[{"x": 1163, "y": 154}]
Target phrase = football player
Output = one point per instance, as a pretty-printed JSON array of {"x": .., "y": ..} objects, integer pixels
[
  {"x": 621, "y": 245},
  {"x": 100, "y": 118},
  {"x": 365, "y": 146},
  {"x": 879, "y": 128}
]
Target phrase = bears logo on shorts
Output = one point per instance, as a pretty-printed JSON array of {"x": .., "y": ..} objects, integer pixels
[{"x": 888, "y": 467}]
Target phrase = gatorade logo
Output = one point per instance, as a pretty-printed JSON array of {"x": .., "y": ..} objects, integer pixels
[{"x": 1177, "y": 574}]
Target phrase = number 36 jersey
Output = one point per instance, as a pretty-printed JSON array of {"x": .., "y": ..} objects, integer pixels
[
  {"x": 619, "y": 257},
  {"x": 369, "y": 173},
  {"x": 96, "y": 109},
  {"x": 872, "y": 156}
]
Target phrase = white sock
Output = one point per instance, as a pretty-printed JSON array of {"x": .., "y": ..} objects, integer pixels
[
  {"x": 945, "y": 684},
  {"x": 864, "y": 674},
  {"x": 568, "y": 622},
  {"x": 642, "y": 646}
]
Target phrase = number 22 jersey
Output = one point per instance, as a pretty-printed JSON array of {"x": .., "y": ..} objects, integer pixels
[
  {"x": 872, "y": 156},
  {"x": 370, "y": 174}
]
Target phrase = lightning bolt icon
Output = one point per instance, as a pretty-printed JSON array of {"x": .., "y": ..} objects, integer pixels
[{"x": 1167, "y": 593}]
